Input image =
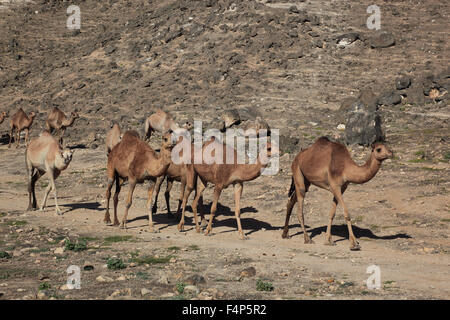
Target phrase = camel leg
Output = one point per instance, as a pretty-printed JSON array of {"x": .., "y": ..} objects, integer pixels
[
  {"x": 53, "y": 175},
  {"x": 190, "y": 184},
  {"x": 167, "y": 196},
  {"x": 107, "y": 218},
  {"x": 180, "y": 199},
  {"x": 328, "y": 240},
  {"x": 129, "y": 202},
  {"x": 46, "y": 193},
  {"x": 237, "y": 198},
  {"x": 354, "y": 245},
  {"x": 159, "y": 181},
  {"x": 116, "y": 200},
  {"x": 217, "y": 192},
  {"x": 27, "y": 131},
  {"x": 10, "y": 137},
  {"x": 300, "y": 191},
  {"x": 202, "y": 213},
  {"x": 198, "y": 193},
  {"x": 18, "y": 138},
  {"x": 149, "y": 203},
  {"x": 33, "y": 176},
  {"x": 290, "y": 205}
]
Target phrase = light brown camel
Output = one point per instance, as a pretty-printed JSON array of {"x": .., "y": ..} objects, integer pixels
[
  {"x": 222, "y": 176},
  {"x": 162, "y": 121},
  {"x": 44, "y": 155},
  {"x": 20, "y": 121},
  {"x": 113, "y": 137},
  {"x": 329, "y": 166},
  {"x": 175, "y": 172},
  {"x": 134, "y": 160},
  {"x": 58, "y": 121},
  {"x": 3, "y": 115}
]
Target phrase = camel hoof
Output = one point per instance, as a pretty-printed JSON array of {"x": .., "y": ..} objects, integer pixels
[
  {"x": 180, "y": 227},
  {"x": 153, "y": 230},
  {"x": 309, "y": 241},
  {"x": 355, "y": 247},
  {"x": 243, "y": 237},
  {"x": 285, "y": 235},
  {"x": 59, "y": 213},
  {"x": 329, "y": 243}
]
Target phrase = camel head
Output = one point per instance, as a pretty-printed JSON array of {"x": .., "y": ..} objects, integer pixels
[
  {"x": 168, "y": 140},
  {"x": 31, "y": 115},
  {"x": 74, "y": 115},
  {"x": 4, "y": 114},
  {"x": 380, "y": 151},
  {"x": 64, "y": 158},
  {"x": 187, "y": 125}
]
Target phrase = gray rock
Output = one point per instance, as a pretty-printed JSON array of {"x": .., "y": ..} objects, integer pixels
[
  {"x": 190, "y": 289},
  {"x": 403, "y": 83},
  {"x": 382, "y": 40},
  {"x": 195, "y": 280},
  {"x": 389, "y": 98},
  {"x": 363, "y": 125}
]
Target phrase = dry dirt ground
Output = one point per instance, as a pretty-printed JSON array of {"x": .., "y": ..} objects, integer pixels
[{"x": 129, "y": 59}]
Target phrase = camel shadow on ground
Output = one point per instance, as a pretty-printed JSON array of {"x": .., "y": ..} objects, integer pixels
[
  {"x": 83, "y": 205},
  {"x": 342, "y": 232}
]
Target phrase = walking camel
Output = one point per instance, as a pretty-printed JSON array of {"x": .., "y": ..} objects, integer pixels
[
  {"x": 162, "y": 121},
  {"x": 223, "y": 175},
  {"x": 44, "y": 155},
  {"x": 20, "y": 121},
  {"x": 134, "y": 160},
  {"x": 58, "y": 121},
  {"x": 113, "y": 137},
  {"x": 329, "y": 166}
]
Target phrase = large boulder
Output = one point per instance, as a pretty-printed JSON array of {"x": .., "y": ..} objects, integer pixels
[{"x": 363, "y": 123}]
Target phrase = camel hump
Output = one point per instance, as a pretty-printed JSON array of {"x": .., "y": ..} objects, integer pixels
[{"x": 131, "y": 133}]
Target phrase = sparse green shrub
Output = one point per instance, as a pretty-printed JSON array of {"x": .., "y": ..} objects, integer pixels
[
  {"x": 264, "y": 286},
  {"x": 44, "y": 286},
  {"x": 115, "y": 263},
  {"x": 78, "y": 246},
  {"x": 4, "y": 255},
  {"x": 180, "y": 287}
]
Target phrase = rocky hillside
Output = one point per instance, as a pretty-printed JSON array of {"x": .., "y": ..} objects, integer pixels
[{"x": 292, "y": 63}]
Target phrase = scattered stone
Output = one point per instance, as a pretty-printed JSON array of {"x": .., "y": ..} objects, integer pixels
[
  {"x": 389, "y": 98},
  {"x": 403, "y": 83},
  {"x": 104, "y": 279},
  {"x": 42, "y": 295},
  {"x": 195, "y": 280},
  {"x": 341, "y": 127},
  {"x": 59, "y": 251},
  {"x": 382, "y": 40},
  {"x": 248, "y": 272},
  {"x": 191, "y": 289},
  {"x": 145, "y": 292}
]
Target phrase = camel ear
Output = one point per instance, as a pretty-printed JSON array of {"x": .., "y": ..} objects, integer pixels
[{"x": 372, "y": 146}]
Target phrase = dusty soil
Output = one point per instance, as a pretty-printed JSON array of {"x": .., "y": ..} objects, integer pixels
[{"x": 132, "y": 57}]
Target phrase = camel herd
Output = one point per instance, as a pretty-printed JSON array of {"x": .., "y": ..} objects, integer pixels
[{"x": 325, "y": 164}]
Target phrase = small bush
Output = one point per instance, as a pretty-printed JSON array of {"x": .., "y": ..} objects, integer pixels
[
  {"x": 4, "y": 255},
  {"x": 115, "y": 264},
  {"x": 264, "y": 286},
  {"x": 151, "y": 260},
  {"x": 44, "y": 286},
  {"x": 79, "y": 246},
  {"x": 180, "y": 287}
]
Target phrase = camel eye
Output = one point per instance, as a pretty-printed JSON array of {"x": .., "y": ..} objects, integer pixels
[{"x": 378, "y": 149}]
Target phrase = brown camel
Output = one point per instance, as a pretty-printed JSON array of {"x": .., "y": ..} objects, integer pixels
[
  {"x": 44, "y": 155},
  {"x": 329, "y": 166},
  {"x": 3, "y": 115},
  {"x": 113, "y": 137},
  {"x": 134, "y": 160},
  {"x": 162, "y": 121},
  {"x": 20, "y": 121},
  {"x": 58, "y": 121},
  {"x": 222, "y": 176}
]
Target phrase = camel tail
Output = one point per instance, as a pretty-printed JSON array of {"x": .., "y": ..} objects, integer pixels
[{"x": 292, "y": 188}]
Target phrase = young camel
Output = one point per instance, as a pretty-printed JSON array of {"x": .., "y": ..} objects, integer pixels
[
  {"x": 113, "y": 137},
  {"x": 44, "y": 155},
  {"x": 20, "y": 121},
  {"x": 3, "y": 115},
  {"x": 162, "y": 121},
  {"x": 222, "y": 176},
  {"x": 134, "y": 160},
  {"x": 58, "y": 121},
  {"x": 329, "y": 165}
]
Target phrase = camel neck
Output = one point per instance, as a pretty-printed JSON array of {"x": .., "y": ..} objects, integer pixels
[{"x": 365, "y": 172}]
